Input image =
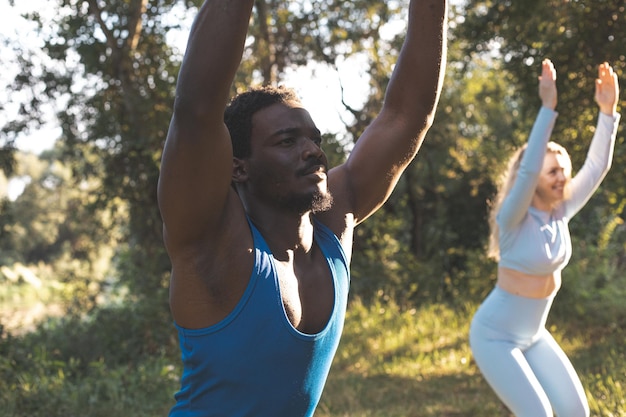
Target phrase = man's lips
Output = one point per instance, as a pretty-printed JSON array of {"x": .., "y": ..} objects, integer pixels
[{"x": 314, "y": 169}]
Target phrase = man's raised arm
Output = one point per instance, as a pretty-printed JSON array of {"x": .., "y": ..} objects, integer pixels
[
  {"x": 197, "y": 159},
  {"x": 391, "y": 142}
]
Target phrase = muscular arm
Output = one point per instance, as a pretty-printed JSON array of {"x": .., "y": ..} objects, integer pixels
[
  {"x": 391, "y": 142},
  {"x": 194, "y": 186}
]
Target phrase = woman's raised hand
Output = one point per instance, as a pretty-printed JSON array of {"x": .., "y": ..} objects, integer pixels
[
  {"x": 547, "y": 85},
  {"x": 607, "y": 89}
]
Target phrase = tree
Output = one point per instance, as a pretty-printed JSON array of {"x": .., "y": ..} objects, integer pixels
[
  {"x": 55, "y": 229},
  {"x": 111, "y": 65},
  {"x": 435, "y": 224}
]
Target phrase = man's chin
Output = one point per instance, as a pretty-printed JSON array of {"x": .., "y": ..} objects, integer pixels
[
  {"x": 316, "y": 202},
  {"x": 321, "y": 202}
]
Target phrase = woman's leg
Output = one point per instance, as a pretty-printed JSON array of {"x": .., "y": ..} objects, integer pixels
[
  {"x": 558, "y": 377},
  {"x": 509, "y": 374}
]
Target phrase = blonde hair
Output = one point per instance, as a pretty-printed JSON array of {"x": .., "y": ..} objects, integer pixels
[{"x": 505, "y": 184}]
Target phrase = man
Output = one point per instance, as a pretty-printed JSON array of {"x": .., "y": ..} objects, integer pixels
[{"x": 258, "y": 231}]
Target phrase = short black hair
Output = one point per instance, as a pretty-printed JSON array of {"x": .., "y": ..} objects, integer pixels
[{"x": 239, "y": 112}]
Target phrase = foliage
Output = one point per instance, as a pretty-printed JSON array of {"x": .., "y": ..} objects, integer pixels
[
  {"x": 53, "y": 388},
  {"x": 577, "y": 37},
  {"x": 55, "y": 232},
  {"x": 91, "y": 366},
  {"x": 111, "y": 64},
  {"x": 434, "y": 227}
]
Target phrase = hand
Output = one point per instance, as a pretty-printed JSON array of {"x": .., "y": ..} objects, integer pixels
[
  {"x": 607, "y": 89},
  {"x": 547, "y": 85}
]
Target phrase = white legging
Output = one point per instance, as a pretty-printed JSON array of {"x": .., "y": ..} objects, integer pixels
[{"x": 520, "y": 359}]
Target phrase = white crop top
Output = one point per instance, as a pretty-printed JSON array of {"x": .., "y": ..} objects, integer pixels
[{"x": 538, "y": 242}]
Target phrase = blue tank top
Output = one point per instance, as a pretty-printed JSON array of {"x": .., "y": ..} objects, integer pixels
[{"x": 254, "y": 363}]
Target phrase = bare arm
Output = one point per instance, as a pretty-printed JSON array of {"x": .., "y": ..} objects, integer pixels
[
  {"x": 194, "y": 186},
  {"x": 391, "y": 142}
]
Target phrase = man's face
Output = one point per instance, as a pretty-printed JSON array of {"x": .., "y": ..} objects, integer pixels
[{"x": 287, "y": 166}]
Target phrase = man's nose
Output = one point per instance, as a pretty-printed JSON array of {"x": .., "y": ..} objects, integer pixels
[{"x": 311, "y": 148}]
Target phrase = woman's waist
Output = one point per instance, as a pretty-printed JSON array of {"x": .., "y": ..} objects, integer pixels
[
  {"x": 507, "y": 316},
  {"x": 528, "y": 285}
]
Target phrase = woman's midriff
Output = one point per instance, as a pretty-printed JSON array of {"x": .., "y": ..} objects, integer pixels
[{"x": 527, "y": 285}]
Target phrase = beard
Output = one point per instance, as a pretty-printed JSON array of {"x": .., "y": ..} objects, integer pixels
[
  {"x": 316, "y": 202},
  {"x": 321, "y": 202}
]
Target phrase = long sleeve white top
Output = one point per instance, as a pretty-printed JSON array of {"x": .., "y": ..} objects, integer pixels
[{"x": 538, "y": 242}]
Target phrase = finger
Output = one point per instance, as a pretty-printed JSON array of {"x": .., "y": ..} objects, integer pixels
[
  {"x": 608, "y": 76},
  {"x": 548, "y": 70},
  {"x": 605, "y": 71}
]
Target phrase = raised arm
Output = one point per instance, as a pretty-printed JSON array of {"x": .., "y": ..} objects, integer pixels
[
  {"x": 516, "y": 203},
  {"x": 390, "y": 143},
  {"x": 196, "y": 169},
  {"x": 600, "y": 154}
]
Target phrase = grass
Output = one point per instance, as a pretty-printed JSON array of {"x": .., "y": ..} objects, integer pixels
[
  {"x": 413, "y": 363},
  {"x": 391, "y": 362},
  {"x": 417, "y": 363}
]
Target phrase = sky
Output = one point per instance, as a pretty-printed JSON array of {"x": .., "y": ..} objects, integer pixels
[{"x": 15, "y": 28}]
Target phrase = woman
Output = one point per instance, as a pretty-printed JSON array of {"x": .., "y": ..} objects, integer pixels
[{"x": 530, "y": 239}]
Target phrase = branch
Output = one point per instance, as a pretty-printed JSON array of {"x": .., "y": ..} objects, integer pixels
[
  {"x": 135, "y": 24},
  {"x": 97, "y": 13}
]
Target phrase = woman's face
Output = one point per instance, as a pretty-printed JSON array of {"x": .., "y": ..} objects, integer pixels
[{"x": 554, "y": 176}]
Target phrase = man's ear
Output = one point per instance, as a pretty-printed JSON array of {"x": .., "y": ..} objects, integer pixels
[{"x": 240, "y": 171}]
